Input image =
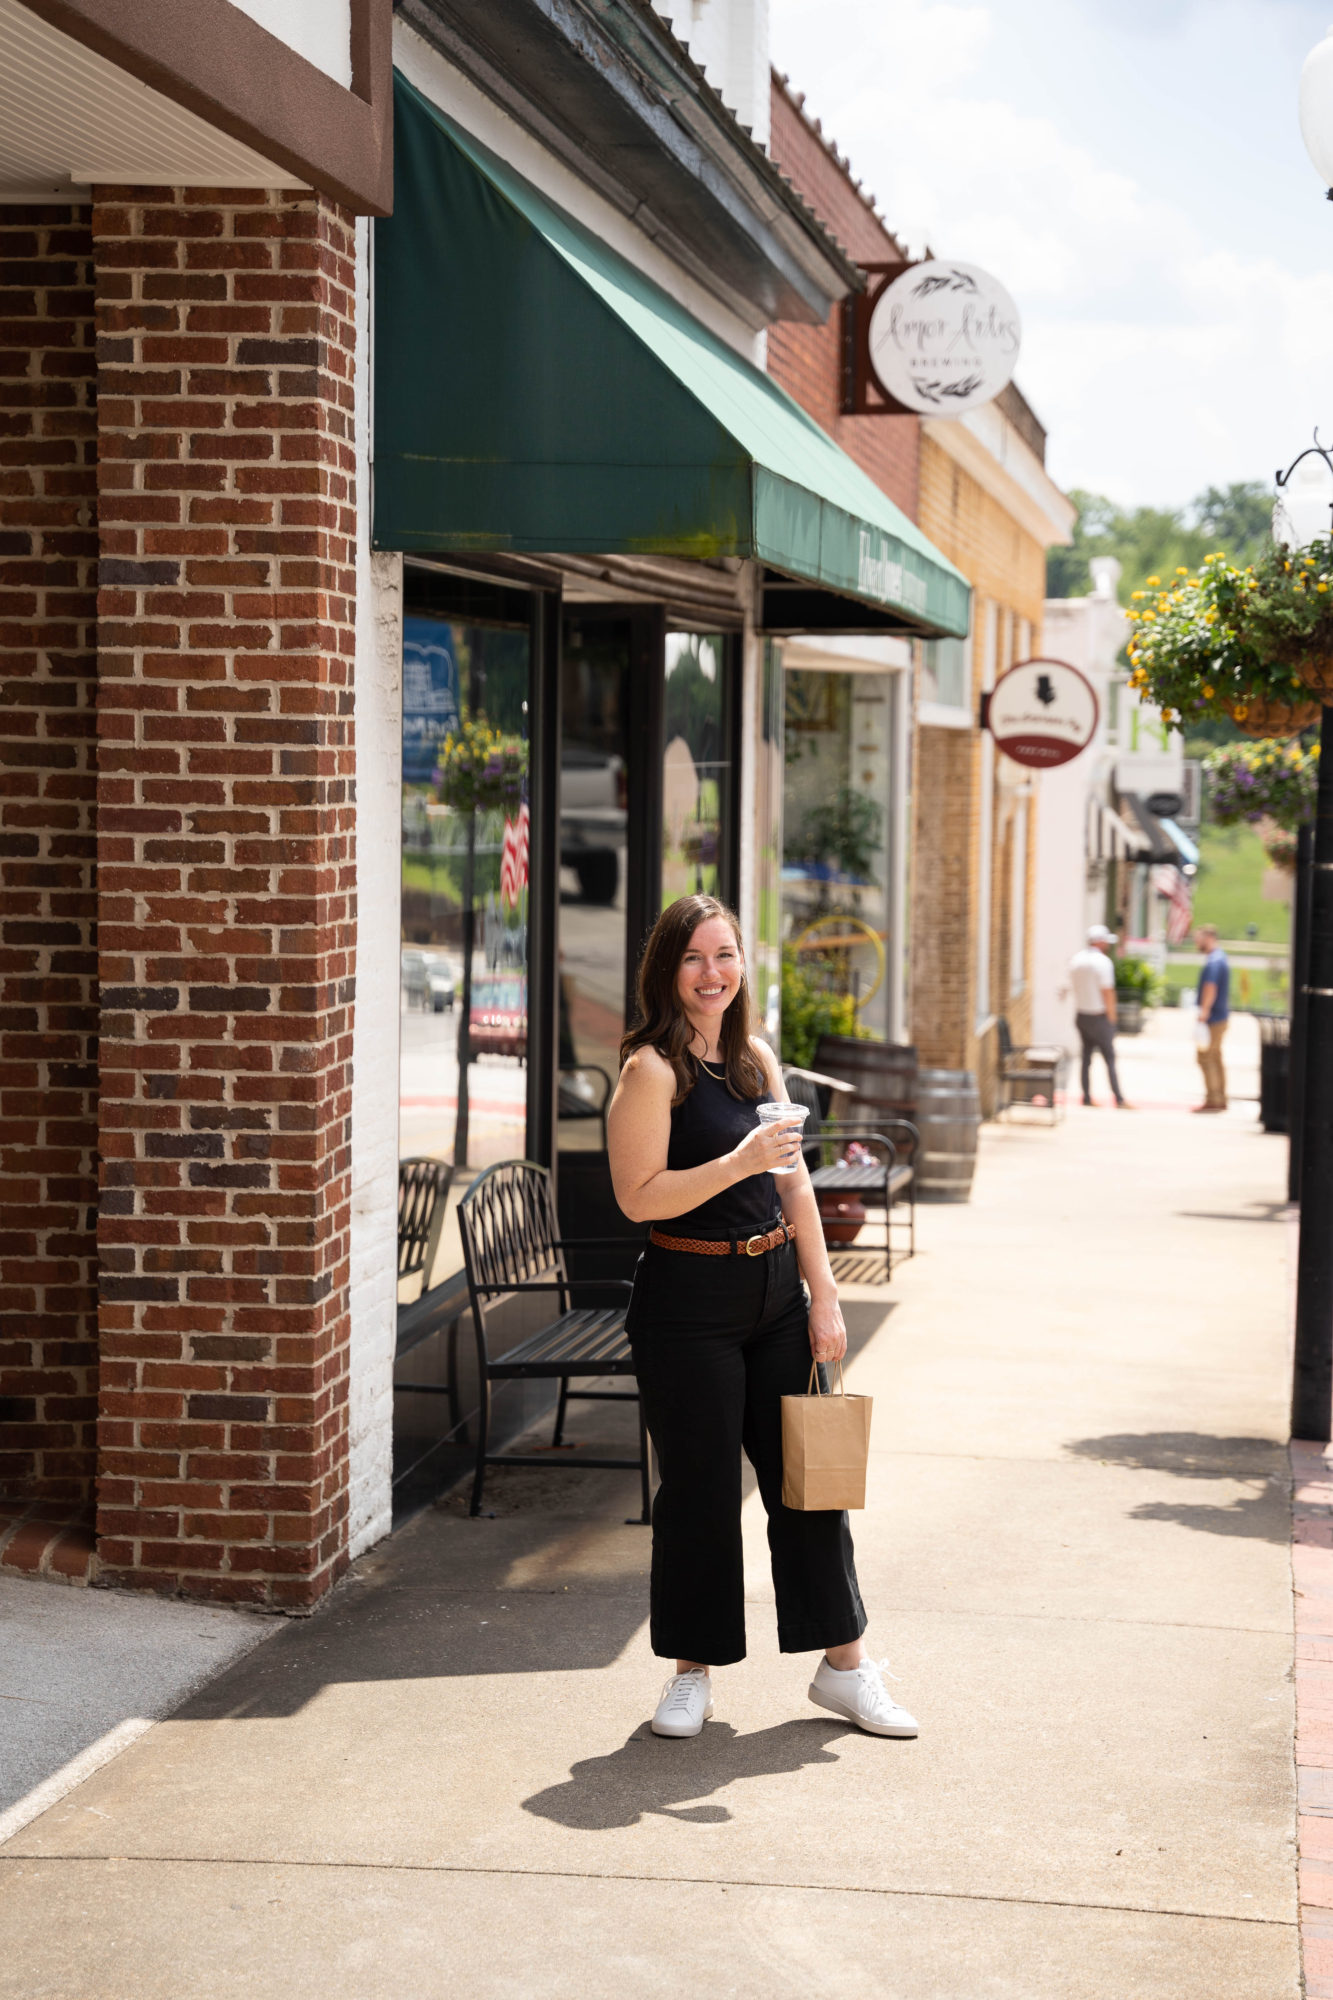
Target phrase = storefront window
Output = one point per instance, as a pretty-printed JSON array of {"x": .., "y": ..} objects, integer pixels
[
  {"x": 946, "y": 675},
  {"x": 837, "y": 858},
  {"x": 766, "y": 944},
  {"x": 696, "y": 765},
  {"x": 464, "y": 1027},
  {"x": 594, "y": 872}
]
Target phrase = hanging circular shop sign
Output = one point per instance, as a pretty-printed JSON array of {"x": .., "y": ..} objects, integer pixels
[
  {"x": 1042, "y": 712},
  {"x": 944, "y": 338}
]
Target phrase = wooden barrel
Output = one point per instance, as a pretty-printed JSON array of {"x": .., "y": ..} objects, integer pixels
[
  {"x": 948, "y": 1112},
  {"x": 882, "y": 1075}
]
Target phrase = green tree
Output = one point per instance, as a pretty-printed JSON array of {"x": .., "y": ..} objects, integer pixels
[
  {"x": 1156, "y": 541},
  {"x": 1237, "y": 518}
]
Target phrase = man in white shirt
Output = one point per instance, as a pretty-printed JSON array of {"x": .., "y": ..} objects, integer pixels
[{"x": 1092, "y": 977}]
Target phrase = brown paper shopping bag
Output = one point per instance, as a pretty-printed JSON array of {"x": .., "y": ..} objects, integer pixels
[{"x": 825, "y": 1445}]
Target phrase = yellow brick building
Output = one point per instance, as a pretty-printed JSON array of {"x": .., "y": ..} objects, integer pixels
[{"x": 988, "y": 503}]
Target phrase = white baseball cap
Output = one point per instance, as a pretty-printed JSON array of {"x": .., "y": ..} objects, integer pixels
[{"x": 1098, "y": 934}]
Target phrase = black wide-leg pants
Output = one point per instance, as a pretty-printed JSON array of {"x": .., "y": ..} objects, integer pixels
[{"x": 717, "y": 1341}]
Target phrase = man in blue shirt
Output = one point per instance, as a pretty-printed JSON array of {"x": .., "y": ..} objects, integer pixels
[{"x": 1214, "y": 1012}]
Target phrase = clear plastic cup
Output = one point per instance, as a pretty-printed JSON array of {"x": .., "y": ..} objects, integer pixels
[{"x": 783, "y": 1114}]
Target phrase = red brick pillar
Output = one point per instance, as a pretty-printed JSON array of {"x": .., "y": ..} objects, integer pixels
[
  {"x": 227, "y": 507},
  {"x": 48, "y": 967}
]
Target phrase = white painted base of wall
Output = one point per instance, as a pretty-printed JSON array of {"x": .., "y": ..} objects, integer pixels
[{"x": 379, "y": 766}]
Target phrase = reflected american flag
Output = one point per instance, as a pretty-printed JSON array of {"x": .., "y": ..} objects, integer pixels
[{"x": 514, "y": 858}]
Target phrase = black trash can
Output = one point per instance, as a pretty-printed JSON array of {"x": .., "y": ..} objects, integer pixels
[{"x": 1274, "y": 1068}]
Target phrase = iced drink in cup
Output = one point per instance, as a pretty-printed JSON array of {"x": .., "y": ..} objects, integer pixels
[{"x": 784, "y": 1114}]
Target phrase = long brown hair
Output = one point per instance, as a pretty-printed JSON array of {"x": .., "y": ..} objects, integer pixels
[{"x": 663, "y": 1023}]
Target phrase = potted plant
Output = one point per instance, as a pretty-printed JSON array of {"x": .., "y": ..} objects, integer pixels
[
  {"x": 1135, "y": 989},
  {"x": 810, "y": 1010},
  {"x": 1195, "y": 651},
  {"x": 841, "y": 1214}
]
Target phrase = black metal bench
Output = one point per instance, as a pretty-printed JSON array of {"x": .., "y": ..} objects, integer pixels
[
  {"x": 580, "y": 1098},
  {"x": 886, "y": 1178},
  {"x": 512, "y": 1248},
  {"x": 1028, "y": 1074}
]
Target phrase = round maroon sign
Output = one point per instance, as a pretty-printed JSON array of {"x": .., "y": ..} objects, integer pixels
[{"x": 1042, "y": 713}]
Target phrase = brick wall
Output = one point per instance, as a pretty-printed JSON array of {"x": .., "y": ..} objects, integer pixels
[
  {"x": 48, "y": 1000},
  {"x": 946, "y": 795},
  {"x": 227, "y": 888},
  {"x": 806, "y": 360},
  {"x": 1007, "y": 567}
]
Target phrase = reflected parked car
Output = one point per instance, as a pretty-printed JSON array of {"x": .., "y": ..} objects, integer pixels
[
  {"x": 498, "y": 1019},
  {"x": 428, "y": 979}
]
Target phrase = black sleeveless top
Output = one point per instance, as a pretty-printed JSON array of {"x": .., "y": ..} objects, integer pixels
[{"x": 708, "y": 1123}]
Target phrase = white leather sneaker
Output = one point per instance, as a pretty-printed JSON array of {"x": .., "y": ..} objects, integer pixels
[
  {"x": 686, "y": 1704},
  {"x": 860, "y": 1696}
]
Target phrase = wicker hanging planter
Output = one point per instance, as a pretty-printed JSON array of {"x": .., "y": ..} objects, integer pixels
[
  {"x": 1267, "y": 715},
  {"x": 1316, "y": 670}
]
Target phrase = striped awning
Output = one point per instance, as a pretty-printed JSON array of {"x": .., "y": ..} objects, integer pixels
[{"x": 1110, "y": 838}]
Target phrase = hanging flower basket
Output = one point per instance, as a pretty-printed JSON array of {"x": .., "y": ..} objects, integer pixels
[
  {"x": 1270, "y": 786},
  {"x": 1189, "y": 652},
  {"x": 1267, "y": 715},
  {"x": 1279, "y": 846},
  {"x": 1317, "y": 672},
  {"x": 1288, "y": 612},
  {"x": 482, "y": 770},
  {"x": 1253, "y": 644}
]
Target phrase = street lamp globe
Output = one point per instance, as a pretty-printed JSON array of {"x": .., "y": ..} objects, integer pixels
[{"x": 1317, "y": 108}]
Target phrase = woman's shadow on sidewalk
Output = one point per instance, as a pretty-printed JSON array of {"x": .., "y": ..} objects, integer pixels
[{"x": 648, "y": 1775}]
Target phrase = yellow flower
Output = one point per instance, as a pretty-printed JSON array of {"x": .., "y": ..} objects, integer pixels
[
  {"x": 1136, "y": 594},
  {"x": 1155, "y": 580},
  {"x": 1207, "y": 692},
  {"x": 1240, "y": 713},
  {"x": 1182, "y": 572},
  {"x": 1321, "y": 586}
]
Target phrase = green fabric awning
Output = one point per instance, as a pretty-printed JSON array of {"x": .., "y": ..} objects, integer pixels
[{"x": 535, "y": 393}]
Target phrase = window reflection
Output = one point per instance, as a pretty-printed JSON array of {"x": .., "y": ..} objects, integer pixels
[
  {"x": 462, "y": 1081},
  {"x": 594, "y": 873},
  {"x": 696, "y": 766},
  {"x": 836, "y": 858}
]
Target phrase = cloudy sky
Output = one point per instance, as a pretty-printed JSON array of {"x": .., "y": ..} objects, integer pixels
[{"x": 1133, "y": 171}]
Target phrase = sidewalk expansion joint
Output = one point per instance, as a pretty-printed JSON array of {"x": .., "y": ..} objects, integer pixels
[{"x": 692, "y": 1881}]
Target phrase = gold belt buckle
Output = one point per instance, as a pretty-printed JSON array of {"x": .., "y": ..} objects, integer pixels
[{"x": 756, "y": 1246}]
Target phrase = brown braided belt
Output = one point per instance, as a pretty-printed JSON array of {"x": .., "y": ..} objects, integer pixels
[{"x": 754, "y": 1246}]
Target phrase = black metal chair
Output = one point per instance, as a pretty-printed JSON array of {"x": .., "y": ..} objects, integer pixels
[
  {"x": 423, "y": 1195},
  {"x": 512, "y": 1248},
  {"x": 885, "y": 1178},
  {"x": 1029, "y": 1073},
  {"x": 423, "y": 1200}
]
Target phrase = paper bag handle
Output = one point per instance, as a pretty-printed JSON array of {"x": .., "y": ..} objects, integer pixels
[{"x": 813, "y": 1388}]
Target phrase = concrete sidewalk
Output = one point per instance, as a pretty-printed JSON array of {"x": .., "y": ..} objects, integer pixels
[{"x": 1075, "y": 1553}]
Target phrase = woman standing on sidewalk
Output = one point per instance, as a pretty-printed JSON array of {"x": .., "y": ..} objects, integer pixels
[{"x": 721, "y": 1326}]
